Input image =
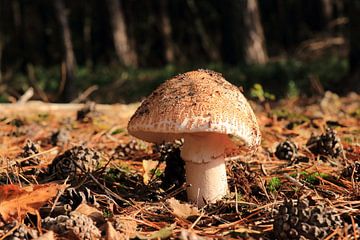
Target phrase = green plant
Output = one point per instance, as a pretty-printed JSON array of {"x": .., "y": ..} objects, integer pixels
[
  {"x": 274, "y": 184},
  {"x": 117, "y": 131},
  {"x": 107, "y": 213},
  {"x": 156, "y": 172},
  {"x": 312, "y": 178},
  {"x": 258, "y": 92}
]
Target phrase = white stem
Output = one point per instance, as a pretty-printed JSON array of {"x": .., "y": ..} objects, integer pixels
[
  {"x": 208, "y": 181},
  {"x": 205, "y": 167}
]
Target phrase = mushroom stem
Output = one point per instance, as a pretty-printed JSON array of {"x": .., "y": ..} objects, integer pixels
[
  {"x": 205, "y": 167},
  {"x": 208, "y": 181}
]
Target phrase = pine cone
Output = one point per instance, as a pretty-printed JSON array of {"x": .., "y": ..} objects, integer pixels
[
  {"x": 128, "y": 150},
  {"x": 21, "y": 233},
  {"x": 76, "y": 225},
  {"x": 244, "y": 181},
  {"x": 304, "y": 219},
  {"x": 352, "y": 171},
  {"x": 74, "y": 197},
  {"x": 75, "y": 161},
  {"x": 327, "y": 144},
  {"x": 29, "y": 149},
  {"x": 174, "y": 173},
  {"x": 286, "y": 150},
  {"x": 61, "y": 137}
]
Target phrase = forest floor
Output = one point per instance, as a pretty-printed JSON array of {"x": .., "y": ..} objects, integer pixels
[{"x": 73, "y": 172}]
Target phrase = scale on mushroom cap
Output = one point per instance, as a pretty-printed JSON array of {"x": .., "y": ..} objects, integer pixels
[{"x": 211, "y": 115}]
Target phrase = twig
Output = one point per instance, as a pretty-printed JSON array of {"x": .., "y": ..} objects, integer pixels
[
  {"x": 177, "y": 191},
  {"x": 197, "y": 220},
  {"x": 264, "y": 188},
  {"x": 236, "y": 200},
  {"x": 26, "y": 96},
  {"x": 296, "y": 182},
  {"x": 335, "y": 232},
  {"x": 34, "y": 155},
  {"x": 61, "y": 192},
  {"x": 105, "y": 189},
  {"x": 10, "y": 231},
  {"x": 84, "y": 95}
]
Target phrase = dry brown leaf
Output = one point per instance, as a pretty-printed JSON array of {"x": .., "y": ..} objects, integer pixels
[
  {"x": 92, "y": 212},
  {"x": 111, "y": 233},
  {"x": 188, "y": 234},
  {"x": 182, "y": 210},
  {"x": 16, "y": 202},
  {"x": 148, "y": 166}
]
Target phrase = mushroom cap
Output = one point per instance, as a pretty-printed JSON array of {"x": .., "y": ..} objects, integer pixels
[{"x": 199, "y": 101}]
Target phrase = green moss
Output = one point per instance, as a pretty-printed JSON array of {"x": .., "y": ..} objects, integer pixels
[
  {"x": 274, "y": 184},
  {"x": 312, "y": 178}
]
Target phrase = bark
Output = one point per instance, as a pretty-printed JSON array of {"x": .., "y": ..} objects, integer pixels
[
  {"x": 1, "y": 51},
  {"x": 254, "y": 40},
  {"x": 206, "y": 40},
  {"x": 87, "y": 29},
  {"x": 352, "y": 81},
  {"x": 70, "y": 62},
  {"x": 125, "y": 52},
  {"x": 20, "y": 33},
  {"x": 2, "y": 41},
  {"x": 166, "y": 30},
  {"x": 327, "y": 10}
]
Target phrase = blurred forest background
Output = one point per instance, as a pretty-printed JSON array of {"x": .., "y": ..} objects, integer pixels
[{"x": 120, "y": 50}]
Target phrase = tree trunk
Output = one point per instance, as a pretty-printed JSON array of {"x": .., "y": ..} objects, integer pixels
[
  {"x": 87, "y": 29},
  {"x": 68, "y": 92},
  {"x": 352, "y": 81},
  {"x": 207, "y": 42},
  {"x": 2, "y": 39},
  {"x": 166, "y": 30},
  {"x": 327, "y": 9},
  {"x": 126, "y": 53},
  {"x": 1, "y": 51},
  {"x": 254, "y": 40}
]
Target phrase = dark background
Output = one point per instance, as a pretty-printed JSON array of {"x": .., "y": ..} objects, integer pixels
[{"x": 120, "y": 50}]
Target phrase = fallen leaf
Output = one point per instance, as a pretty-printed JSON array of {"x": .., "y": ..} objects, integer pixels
[
  {"x": 148, "y": 166},
  {"x": 182, "y": 210},
  {"x": 244, "y": 230},
  {"x": 188, "y": 234},
  {"x": 92, "y": 212},
  {"x": 163, "y": 233},
  {"x": 16, "y": 202},
  {"x": 111, "y": 233}
]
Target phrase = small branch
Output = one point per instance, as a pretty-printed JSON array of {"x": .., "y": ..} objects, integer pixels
[
  {"x": 26, "y": 96},
  {"x": 296, "y": 182},
  {"x": 84, "y": 95}
]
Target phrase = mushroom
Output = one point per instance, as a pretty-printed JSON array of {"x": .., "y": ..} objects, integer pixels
[{"x": 212, "y": 117}]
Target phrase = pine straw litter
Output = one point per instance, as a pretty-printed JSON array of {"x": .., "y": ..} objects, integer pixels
[{"x": 128, "y": 195}]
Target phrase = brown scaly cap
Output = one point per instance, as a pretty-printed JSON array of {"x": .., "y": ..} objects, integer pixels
[{"x": 196, "y": 101}]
